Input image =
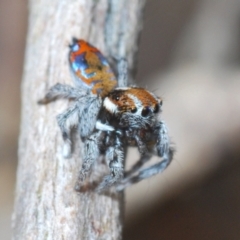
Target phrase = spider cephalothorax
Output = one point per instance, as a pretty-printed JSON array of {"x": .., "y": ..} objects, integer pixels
[{"x": 110, "y": 118}]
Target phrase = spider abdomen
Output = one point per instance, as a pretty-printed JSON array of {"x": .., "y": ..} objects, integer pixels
[{"x": 90, "y": 68}]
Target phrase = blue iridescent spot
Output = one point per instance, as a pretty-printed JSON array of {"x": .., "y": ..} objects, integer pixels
[
  {"x": 75, "y": 47},
  {"x": 80, "y": 64}
]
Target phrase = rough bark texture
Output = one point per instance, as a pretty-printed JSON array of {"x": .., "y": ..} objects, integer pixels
[{"x": 46, "y": 205}]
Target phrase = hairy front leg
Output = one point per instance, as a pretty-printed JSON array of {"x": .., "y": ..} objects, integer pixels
[
  {"x": 163, "y": 141},
  {"x": 115, "y": 157},
  {"x": 163, "y": 149},
  {"x": 148, "y": 172}
]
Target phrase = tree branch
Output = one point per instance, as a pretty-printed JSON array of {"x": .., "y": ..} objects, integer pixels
[{"x": 46, "y": 205}]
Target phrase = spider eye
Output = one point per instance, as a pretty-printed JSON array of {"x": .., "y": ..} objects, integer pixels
[
  {"x": 133, "y": 110},
  {"x": 156, "y": 108},
  {"x": 145, "y": 111},
  {"x": 116, "y": 97}
]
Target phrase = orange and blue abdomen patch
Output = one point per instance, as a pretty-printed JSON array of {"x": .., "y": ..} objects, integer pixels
[{"x": 90, "y": 68}]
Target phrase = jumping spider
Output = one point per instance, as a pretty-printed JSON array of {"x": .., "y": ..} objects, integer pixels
[{"x": 109, "y": 119}]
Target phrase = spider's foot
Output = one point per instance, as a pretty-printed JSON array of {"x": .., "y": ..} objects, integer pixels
[
  {"x": 108, "y": 182},
  {"x": 79, "y": 183},
  {"x": 80, "y": 187}
]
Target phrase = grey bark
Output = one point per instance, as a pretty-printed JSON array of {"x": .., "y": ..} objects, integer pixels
[{"x": 46, "y": 205}]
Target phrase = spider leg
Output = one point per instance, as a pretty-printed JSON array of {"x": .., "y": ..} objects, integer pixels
[
  {"x": 163, "y": 139},
  {"x": 148, "y": 172},
  {"x": 115, "y": 158},
  {"x": 143, "y": 159},
  {"x": 66, "y": 121},
  {"x": 61, "y": 91},
  {"x": 145, "y": 156},
  {"x": 142, "y": 148},
  {"x": 164, "y": 150},
  {"x": 91, "y": 153},
  {"x": 122, "y": 72}
]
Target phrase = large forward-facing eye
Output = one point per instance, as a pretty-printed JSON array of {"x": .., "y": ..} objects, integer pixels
[
  {"x": 116, "y": 97},
  {"x": 145, "y": 111},
  {"x": 156, "y": 108},
  {"x": 133, "y": 110}
]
